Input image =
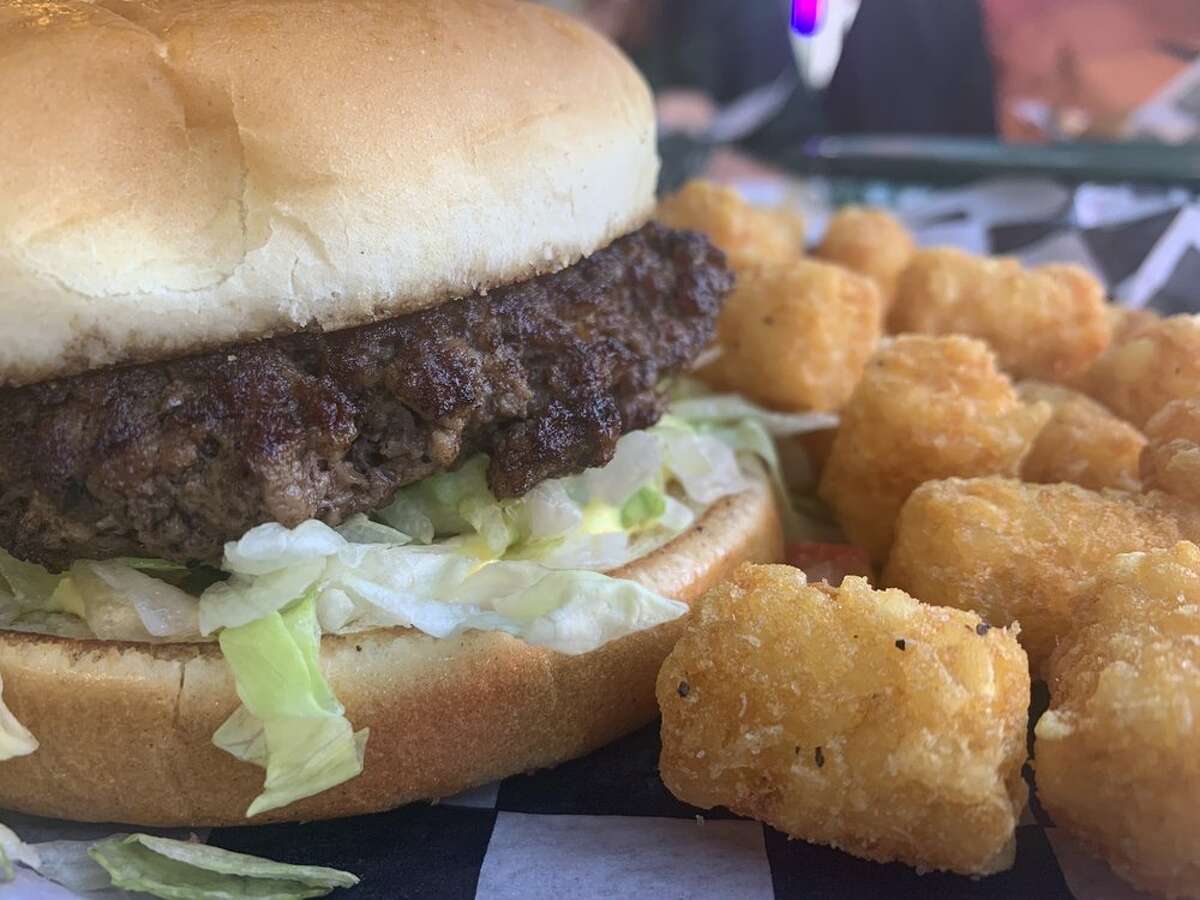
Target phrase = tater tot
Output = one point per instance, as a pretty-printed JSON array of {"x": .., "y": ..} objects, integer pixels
[
  {"x": 790, "y": 228},
  {"x": 1083, "y": 443},
  {"x": 927, "y": 407},
  {"x": 1139, "y": 377},
  {"x": 1118, "y": 752},
  {"x": 1128, "y": 323},
  {"x": 1171, "y": 460},
  {"x": 749, "y": 236},
  {"x": 1012, "y": 551},
  {"x": 871, "y": 242},
  {"x": 797, "y": 336},
  {"x": 1050, "y": 322},
  {"x": 850, "y": 717}
]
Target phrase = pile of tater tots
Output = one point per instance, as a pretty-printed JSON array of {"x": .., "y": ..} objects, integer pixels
[{"x": 1015, "y": 485}]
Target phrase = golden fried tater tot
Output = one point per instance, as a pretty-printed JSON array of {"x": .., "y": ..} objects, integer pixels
[
  {"x": 749, "y": 236},
  {"x": 1171, "y": 461},
  {"x": 1128, "y": 323},
  {"x": 927, "y": 407},
  {"x": 1118, "y": 752},
  {"x": 789, "y": 226},
  {"x": 1139, "y": 377},
  {"x": 797, "y": 336},
  {"x": 1012, "y": 551},
  {"x": 850, "y": 717},
  {"x": 871, "y": 242},
  {"x": 1083, "y": 443},
  {"x": 1049, "y": 322}
]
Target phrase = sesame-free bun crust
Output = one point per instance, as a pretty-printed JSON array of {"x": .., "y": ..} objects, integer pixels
[
  {"x": 181, "y": 174},
  {"x": 126, "y": 729}
]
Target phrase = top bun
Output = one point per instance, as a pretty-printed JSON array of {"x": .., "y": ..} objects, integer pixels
[{"x": 180, "y": 174}]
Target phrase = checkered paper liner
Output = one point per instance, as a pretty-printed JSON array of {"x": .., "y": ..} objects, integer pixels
[{"x": 605, "y": 826}]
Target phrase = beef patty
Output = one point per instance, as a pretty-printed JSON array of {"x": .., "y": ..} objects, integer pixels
[{"x": 172, "y": 459}]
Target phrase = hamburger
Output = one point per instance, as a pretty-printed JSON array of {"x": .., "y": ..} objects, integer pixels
[{"x": 336, "y": 463}]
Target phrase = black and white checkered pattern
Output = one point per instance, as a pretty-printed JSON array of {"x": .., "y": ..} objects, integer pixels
[{"x": 605, "y": 826}]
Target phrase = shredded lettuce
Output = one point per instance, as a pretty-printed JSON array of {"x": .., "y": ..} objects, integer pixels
[
  {"x": 164, "y": 568},
  {"x": 636, "y": 462},
  {"x": 14, "y": 850},
  {"x": 650, "y": 491},
  {"x": 733, "y": 408},
  {"x": 440, "y": 504},
  {"x": 123, "y": 603},
  {"x": 750, "y": 437},
  {"x": 643, "y": 508},
  {"x": 547, "y": 512},
  {"x": 443, "y": 589},
  {"x": 185, "y": 870},
  {"x": 359, "y": 529},
  {"x": 15, "y": 738},
  {"x": 167, "y": 868},
  {"x": 706, "y": 468},
  {"x": 306, "y": 745},
  {"x": 276, "y": 549},
  {"x": 750, "y": 430},
  {"x": 244, "y": 599},
  {"x": 25, "y": 586}
]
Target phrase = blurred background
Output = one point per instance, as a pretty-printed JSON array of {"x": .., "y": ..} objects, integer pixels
[{"x": 740, "y": 94}]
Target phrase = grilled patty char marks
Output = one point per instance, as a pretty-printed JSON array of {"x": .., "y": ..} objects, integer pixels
[{"x": 173, "y": 459}]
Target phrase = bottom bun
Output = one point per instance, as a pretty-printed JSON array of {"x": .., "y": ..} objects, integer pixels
[{"x": 126, "y": 729}]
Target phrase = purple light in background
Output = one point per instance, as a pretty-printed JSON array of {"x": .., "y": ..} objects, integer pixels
[{"x": 806, "y": 15}]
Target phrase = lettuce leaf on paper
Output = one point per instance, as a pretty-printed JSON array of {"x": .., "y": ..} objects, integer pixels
[
  {"x": 14, "y": 850},
  {"x": 64, "y": 862},
  {"x": 183, "y": 870},
  {"x": 167, "y": 868}
]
